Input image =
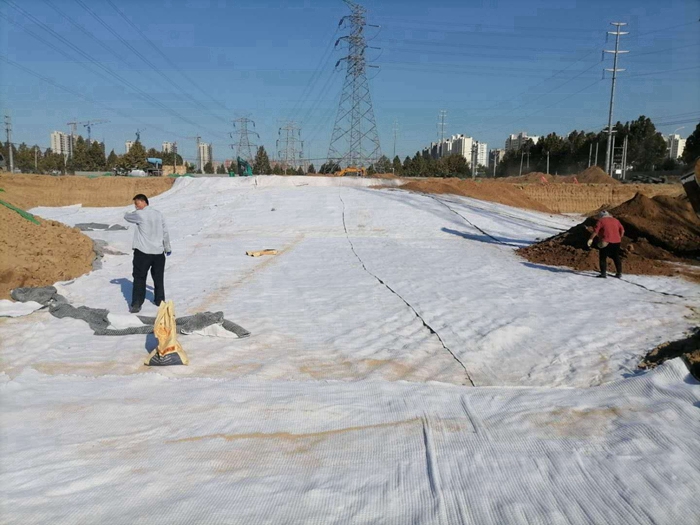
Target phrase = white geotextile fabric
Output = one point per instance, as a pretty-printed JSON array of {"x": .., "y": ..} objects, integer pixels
[
  {"x": 387, "y": 291},
  {"x": 16, "y": 309},
  {"x": 148, "y": 449},
  {"x": 121, "y": 321}
]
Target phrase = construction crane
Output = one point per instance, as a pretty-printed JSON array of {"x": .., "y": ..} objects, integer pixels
[
  {"x": 138, "y": 134},
  {"x": 89, "y": 123}
]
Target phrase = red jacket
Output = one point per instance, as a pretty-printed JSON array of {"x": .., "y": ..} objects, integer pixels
[{"x": 610, "y": 230}]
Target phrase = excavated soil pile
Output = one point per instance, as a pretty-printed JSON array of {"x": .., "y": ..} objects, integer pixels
[
  {"x": 592, "y": 175},
  {"x": 659, "y": 233},
  {"x": 28, "y": 191},
  {"x": 39, "y": 254},
  {"x": 480, "y": 189},
  {"x": 534, "y": 177}
]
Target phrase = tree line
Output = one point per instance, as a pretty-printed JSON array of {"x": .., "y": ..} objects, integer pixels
[{"x": 646, "y": 151}]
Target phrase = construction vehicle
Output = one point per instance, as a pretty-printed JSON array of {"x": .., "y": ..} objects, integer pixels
[
  {"x": 244, "y": 168},
  {"x": 691, "y": 185},
  {"x": 351, "y": 171}
]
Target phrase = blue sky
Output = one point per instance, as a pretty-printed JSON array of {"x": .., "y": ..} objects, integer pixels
[{"x": 496, "y": 67}]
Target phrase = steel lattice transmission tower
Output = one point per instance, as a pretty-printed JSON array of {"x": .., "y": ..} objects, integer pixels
[
  {"x": 290, "y": 146},
  {"x": 355, "y": 141},
  {"x": 244, "y": 147}
]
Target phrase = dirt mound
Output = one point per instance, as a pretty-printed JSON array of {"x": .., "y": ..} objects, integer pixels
[
  {"x": 39, "y": 254},
  {"x": 659, "y": 233},
  {"x": 592, "y": 175},
  {"x": 28, "y": 191},
  {"x": 534, "y": 177},
  {"x": 478, "y": 189}
]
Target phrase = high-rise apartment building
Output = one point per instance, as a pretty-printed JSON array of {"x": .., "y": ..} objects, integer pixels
[
  {"x": 205, "y": 154},
  {"x": 482, "y": 154},
  {"x": 128, "y": 144},
  {"x": 169, "y": 147},
  {"x": 675, "y": 146},
  {"x": 515, "y": 142},
  {"x": 61, "y": 143}
]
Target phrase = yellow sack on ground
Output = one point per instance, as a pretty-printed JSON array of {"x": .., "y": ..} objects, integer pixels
[{"x": 169, "y": 351}]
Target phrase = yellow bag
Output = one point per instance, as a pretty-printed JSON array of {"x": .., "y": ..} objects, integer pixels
[{"x": 169, "y": 351}]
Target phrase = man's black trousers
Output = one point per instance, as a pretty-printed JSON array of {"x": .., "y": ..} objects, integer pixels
[
  {"x": 142, "y": 263},
  {"x": 612, "y": 250}
]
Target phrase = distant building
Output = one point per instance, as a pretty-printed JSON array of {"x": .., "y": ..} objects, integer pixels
[
  {"x": 675, "y": 146},
  {"x": 205, "y": 154},
  {"x": 496, "y": 156},
  {"x": 61, "y": 143},
  {"x": 515, "y": 142},
  {"x": 455, "y": 145},
  {"x": 169, "y": 147},
  {"x": 128, "y": 144},
  {"x": 482, "y": 154}
]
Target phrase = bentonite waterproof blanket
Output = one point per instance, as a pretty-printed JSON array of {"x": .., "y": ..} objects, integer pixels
[{"x": 98, "y": 320}]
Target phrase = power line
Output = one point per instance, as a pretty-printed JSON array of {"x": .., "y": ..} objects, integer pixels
[
  {"x": 145, "y": 60},
  {"x": 163, "y": 55},
  {"x": 80, "y": 95},
  {"x": 109, "y": 74}
]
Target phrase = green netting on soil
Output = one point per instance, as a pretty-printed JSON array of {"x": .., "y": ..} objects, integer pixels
[{"x": 23, "y": 213}]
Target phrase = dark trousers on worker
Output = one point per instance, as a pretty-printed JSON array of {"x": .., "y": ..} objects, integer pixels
[
  {"x": 142, "y": 263},
  {"x": 612, "y": 250}
]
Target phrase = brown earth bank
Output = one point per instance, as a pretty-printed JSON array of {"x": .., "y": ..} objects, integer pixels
[
  {"x": 39, "y": 254},
  {"x": 28, "y": 191},
  {"x": 42, "y": 254},
  {"x": 662, "y": 237},
  {"x": 478, "y": 189}
]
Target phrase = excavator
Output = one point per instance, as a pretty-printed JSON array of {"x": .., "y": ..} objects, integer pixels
[
  {"x": 352, "y": 171},
  {"x": 244, "y": 168},
  {"x": 691, "y": 185}
]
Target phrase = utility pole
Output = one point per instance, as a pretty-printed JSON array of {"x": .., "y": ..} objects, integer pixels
[
  {"x": 355, "y": 140},
  {"x": 624, "y": 159},
  {"x": 612, "y": 156},
  {"x": 244, "y": 147},
  {"x": 36, "y": 163},
  {"x": 494, "y": 160},
  {"x": 596, "y": 152},
  {"x": 475, "y": 153},
  {"x": 522, "y": 156},
  {"x": 548, "y": 163},
  {"x": 590, "y": 151},
  {"x": 617, "y": 33},
  {"x": 8, "y": 131},
  {"x": 395, "y": 129}
]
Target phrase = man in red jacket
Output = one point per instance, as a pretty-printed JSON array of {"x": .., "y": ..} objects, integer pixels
[{"x": 609, "y": 232}]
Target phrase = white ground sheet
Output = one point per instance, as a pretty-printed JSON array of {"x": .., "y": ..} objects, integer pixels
[{"x": 352, "y": 400}]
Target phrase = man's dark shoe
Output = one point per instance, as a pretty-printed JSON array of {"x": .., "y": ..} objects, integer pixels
[
  {"x": 134, "y": 308},
  {"x": 601, "y": 276}
]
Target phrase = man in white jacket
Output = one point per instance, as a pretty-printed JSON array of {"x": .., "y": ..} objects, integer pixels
[{"x": 151, "y": 245}]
